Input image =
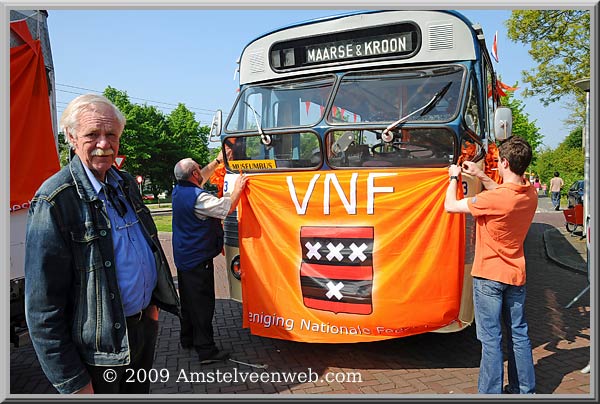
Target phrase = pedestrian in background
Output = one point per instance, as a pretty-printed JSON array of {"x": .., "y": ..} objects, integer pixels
[
  {"x": 556, "y": 184},
  {"x": 197, "y": 239},
  {"x": 95, "y": 271},
  {"x": 503, "y": 215}
]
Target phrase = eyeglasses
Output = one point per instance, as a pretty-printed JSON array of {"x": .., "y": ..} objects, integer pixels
[{"x": 113, "y": 196}]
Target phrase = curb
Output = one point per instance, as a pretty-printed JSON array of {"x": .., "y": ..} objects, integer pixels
[{"x": 563, "y": 252}]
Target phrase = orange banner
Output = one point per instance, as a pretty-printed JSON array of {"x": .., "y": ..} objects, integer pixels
[
  {"x": 33, "y": 155},
  {"x": 341, "y": 256}
]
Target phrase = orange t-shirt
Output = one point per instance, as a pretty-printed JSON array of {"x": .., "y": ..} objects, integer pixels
[{"x": 503, "y": 216}]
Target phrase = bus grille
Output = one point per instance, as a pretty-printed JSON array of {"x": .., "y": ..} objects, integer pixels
[
  {"x": 230, "y": 226},
  {"x": 441, "y": 36}
]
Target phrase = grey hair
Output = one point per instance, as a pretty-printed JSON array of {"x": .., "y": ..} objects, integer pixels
[
  {"x": 184, "y": 169},
  {"x": 69, "y": 120}
]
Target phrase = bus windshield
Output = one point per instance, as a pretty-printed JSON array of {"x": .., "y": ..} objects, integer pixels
[
  {"x": 279, "y": 105},
  {"x": 385, "y": 96},
  {"x": 362, "y": 97}
]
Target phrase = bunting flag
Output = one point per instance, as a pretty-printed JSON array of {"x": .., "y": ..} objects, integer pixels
[
  {"x": 307, "y": 104},
  {"x": 495, "y": 47},
  {"x": 348, "y": 256},
  {"x": 500, "y": 87}
]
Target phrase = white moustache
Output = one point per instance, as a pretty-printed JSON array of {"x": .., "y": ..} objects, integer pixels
[{"x": 102, "y": 152}]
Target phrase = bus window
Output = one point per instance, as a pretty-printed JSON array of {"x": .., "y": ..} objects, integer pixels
[
  {"x": 491, "y": 107},
  {"x": 283, "y": 104},
  {"x": 384, "y": 96},
  {"x": 472, "y": 108},
  {"x": 286, "y": 151},
  {"x": 431, "y": 147}
]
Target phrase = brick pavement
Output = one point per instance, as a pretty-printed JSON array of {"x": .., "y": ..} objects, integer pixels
[{"x": 427, "y": 364}]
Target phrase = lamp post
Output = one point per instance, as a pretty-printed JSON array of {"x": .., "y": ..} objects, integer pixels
[{"x": 584, "y": 84}]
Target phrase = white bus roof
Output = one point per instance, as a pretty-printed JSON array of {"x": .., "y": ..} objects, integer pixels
[{"x": 445, "y": 36}]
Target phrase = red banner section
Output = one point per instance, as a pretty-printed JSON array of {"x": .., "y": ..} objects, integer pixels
[
  {"x": 33, "y": 156},
  {"x": 339, "y": 256}
]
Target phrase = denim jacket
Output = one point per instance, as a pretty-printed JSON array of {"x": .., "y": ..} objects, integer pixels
[{"x": 72, "y": 300}]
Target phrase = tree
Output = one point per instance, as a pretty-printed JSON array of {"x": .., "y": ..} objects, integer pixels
[
  {"x": 63, "y": 149},
  {"x": 575, "y": 139},
  {"x": 522, "y": 125},
  {"x": 559, "y": 42},
  {"x": 153, "y": 143},
  {"x": 567, "y": 159},
  {"x": 188, "y": 134}
]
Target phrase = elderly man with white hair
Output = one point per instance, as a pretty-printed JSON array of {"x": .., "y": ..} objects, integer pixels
[
  {"x": 95, "y": 272},
  {"x": 197, "y": 239}
]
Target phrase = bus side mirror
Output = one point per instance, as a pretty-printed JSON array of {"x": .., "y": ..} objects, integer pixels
[
  {"x": 503, "y": 123},
  {"x": 215, "y": 127}
]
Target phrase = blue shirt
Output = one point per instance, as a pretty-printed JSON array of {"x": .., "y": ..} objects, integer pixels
[{"x": 135, "y": 264}]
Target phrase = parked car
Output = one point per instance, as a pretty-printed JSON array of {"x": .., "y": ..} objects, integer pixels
[
  {"x": 148, "y": 197},
  {"x": 575, "y": 193}
]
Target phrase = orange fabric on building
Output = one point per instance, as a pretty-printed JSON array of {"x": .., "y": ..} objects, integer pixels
[
  {"x": 31, "y": 135},
  {"x": 341, "y": 256},
  {"x": 467, "y": 153},
  {"x": 491, "y": 163},
  {"x": 218, "y": 178},
  {"x": 499, "y": 254}
]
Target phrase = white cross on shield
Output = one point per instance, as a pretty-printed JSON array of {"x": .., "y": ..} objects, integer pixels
[{"x": 334, "y": 290}]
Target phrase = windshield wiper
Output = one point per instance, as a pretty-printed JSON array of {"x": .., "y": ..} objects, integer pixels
[
  {"x": 387, "y": 136},
  {"x": 264, "y": 138}
]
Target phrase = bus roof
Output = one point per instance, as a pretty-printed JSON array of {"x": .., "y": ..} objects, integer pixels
[
  {"x": 341, "y": 15},
  {"x": 437, "y": 36}
]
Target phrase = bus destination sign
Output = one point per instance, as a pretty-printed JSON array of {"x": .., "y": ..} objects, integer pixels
[
  {"x": 401, "y": 40},
  {"x": 384, "y": 45}
]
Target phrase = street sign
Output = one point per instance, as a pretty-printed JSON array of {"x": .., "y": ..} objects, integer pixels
[
  {"x": 119, "y": 160},
  {"x": 139, "y": 179}
]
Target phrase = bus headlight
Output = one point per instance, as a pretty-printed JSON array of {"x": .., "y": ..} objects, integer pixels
[{"x": 236, "y": 268}]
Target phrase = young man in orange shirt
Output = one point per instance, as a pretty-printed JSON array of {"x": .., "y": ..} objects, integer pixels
[{"x": 503, "y": 214}]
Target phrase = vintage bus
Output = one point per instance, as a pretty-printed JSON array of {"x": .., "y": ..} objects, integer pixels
[{"x": 347, "y": 126}]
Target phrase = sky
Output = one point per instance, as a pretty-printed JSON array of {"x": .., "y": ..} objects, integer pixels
[{"x": 166, "y": 57}]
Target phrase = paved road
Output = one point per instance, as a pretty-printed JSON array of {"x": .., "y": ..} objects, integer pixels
[{"x": 427, "y": 364}]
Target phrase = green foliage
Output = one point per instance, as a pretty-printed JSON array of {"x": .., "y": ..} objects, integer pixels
[
  {"x": 559, "y": 42},
  {"x": 153, "y": 142},
  {"x": 575, "y": 139},
  {"x": 567, "y": 159},
  {"x": 522, "y": 125},
  {"x": 63, "y": 149}
]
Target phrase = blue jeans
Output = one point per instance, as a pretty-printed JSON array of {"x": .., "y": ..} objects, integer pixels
[
  {"x": 496, "y": 302},
  {"x": 555, "y": 199}
]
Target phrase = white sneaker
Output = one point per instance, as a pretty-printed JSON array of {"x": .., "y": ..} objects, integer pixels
[{"x": 586, "y": 369}]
